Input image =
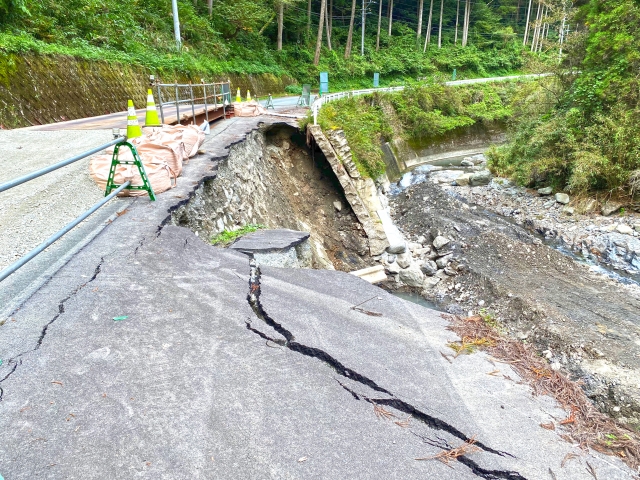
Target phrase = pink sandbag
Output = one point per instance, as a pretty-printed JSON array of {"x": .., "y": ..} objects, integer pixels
[
  {"x": 161, "y": 176},
  {"x": 162, "y": 150},
  {"x": 248, "y": 109},
  {"x": 192, "y": 137},
  {"x": 171, "y": 154}
]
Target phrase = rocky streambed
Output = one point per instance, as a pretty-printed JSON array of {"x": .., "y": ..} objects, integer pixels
[{"x": 552, "y": 271}]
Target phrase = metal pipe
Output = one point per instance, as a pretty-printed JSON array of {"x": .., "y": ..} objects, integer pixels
[
  {"x": 158, "y": 89},
  {"x": 177, "y": 106},
  {"x": 193, "y": 105},
  {"x": 56, "y": 236},
  {"x": 204, "y": 94},
  {"x": 55, "y": 166}
]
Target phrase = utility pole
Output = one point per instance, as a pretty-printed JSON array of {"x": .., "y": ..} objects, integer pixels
[
  {"x": 362, "y": 39},
  {"x": 176, "y": 24}
]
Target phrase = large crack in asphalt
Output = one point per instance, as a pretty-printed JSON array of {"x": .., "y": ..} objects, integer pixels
[
  {"x": 17, "y": 360},
  {"x": 435, "y": 423}
]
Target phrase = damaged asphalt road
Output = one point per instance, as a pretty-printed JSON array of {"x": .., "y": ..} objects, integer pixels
[
  {"x": 182, "y": 389},
  {"x": 203, "y": 381}
]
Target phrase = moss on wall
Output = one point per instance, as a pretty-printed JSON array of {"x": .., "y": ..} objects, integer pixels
[{"x": 38, "y": 89}]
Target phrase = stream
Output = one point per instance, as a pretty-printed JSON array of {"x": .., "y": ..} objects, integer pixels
[{"x": 444, "y": 171}]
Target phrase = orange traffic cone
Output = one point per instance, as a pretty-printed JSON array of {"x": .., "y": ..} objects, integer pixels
[
  {"x": 133, "y": 128},
  {"x": 151, "y": 119}
]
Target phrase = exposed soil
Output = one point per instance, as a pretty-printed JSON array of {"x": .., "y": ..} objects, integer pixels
[
  {"x": 275, "y": 180},
  {"x": 581, "y": 321},
  {"x": 312, "y": 189}
]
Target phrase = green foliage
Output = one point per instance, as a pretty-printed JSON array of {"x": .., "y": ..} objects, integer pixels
[
  {"x": 429, "y": 111},
  {"x": 580, "y": 132},
  {"x": 293, "y": 89},
  {"x": 365, "y": 126},
  {"x": 419, "y": 113},
  {"x": 226, "y": 237},
  {"x": 239, "y": 38}
]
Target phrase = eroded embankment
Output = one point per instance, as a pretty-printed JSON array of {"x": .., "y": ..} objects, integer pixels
[{"x": 274, "y": 179}]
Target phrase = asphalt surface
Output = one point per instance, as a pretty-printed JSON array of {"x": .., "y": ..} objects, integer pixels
[
  {"x": 201, "y": 381},
  {"x": 35, "y": 210}
]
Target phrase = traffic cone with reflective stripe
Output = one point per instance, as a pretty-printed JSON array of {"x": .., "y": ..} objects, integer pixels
[
  {"x": 152, "y": 119},
  {"x": 238, "y": 97},
  {"x": 248, "y": 96},
  {"x": 133, "y": 128}
]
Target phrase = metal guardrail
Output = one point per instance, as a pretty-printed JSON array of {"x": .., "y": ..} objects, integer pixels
[
  {"x": 38, "y": 173},
  {"x": 207, "y": 94},
  {"x": 330, "y": 97},
  {"x": 56, "y": 236}
]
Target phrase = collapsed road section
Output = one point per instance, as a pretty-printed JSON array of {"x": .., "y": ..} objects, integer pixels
[{"x": 149, "y": 369}]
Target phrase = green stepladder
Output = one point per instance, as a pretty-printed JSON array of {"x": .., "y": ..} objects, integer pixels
[{"x": 137, "y": 161}]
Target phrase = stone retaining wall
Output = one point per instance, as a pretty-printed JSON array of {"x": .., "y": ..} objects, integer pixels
[{"x": 40, "y": 89}]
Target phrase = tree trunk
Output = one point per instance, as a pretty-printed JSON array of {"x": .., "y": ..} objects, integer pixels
[
  {"x": 526, "y": 27},
  {"x": 467, "y": 18},
  {"x": 545, "y": 26},
  {"x": 419, "y": 31},
  {"x": 364, "y": 20},
  {"x": 280, "y": 23},
  {"x": 440, "y": 25},
  {"x": 328, "y": 29},
  {"x": 536, "y": 30},
  {"x": 323, "y": 7},
  {"x": 379, "y": 23},
  {"x": 428, "y": 33},
  {"x": 518, "y": 14},
  {"x": 347, "y": 50},
  {"x": 210, "y": 6},
  {"x": 390, "y": 15},
  {"x": 455, "y": 41},
  {"x": 309, "y": 17}
]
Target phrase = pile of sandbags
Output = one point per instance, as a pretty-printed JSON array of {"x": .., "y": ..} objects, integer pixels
[
  {"x": 163, "y": 151},
  {"x": 248, "y": 109}
]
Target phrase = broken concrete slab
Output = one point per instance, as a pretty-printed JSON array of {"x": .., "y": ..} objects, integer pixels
[{"x": 373, "y": 274}]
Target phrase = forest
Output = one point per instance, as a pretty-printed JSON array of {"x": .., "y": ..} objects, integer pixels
[{"x": 400, "y": 39}]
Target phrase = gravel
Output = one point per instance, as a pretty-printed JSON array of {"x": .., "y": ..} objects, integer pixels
[{"x": 33, "y": 211}]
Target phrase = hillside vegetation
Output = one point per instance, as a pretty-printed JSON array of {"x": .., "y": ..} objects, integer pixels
[
  {"x": 581, "y": 131},
  {"x": 241, "y": 36},
  {"x": 419, "y": 114}
]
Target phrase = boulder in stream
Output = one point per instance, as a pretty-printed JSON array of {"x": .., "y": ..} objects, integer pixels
[
  {"x": 464, "y": 179},
  {"x": 483, "y": 177},
  {"x": 412, "y": 276},
  {"x": 609, "y": 208}
]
